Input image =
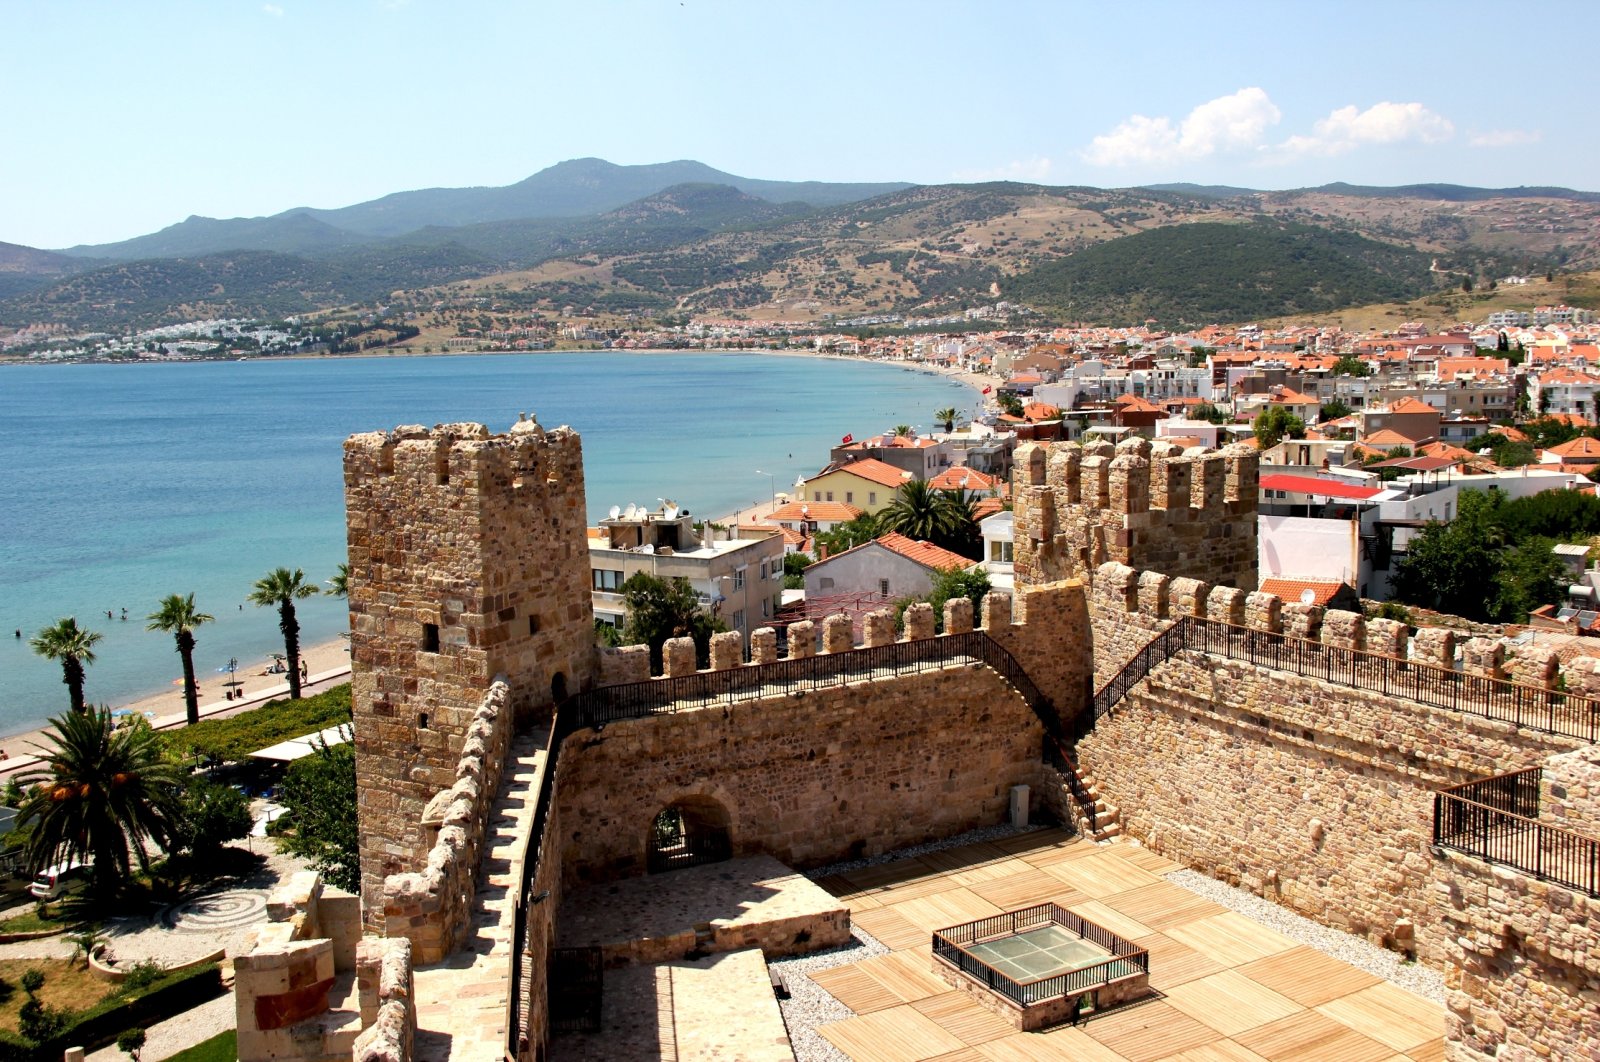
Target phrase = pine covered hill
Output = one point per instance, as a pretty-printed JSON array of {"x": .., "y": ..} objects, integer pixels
[
  {"x": 1193, "y": 275},
  {"x": 1181, "y": 254}
]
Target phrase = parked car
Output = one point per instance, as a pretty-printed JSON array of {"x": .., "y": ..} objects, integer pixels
[{"x": 53, "y": 881}]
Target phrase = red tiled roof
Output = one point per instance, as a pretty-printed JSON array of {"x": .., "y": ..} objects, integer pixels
[
  {"x": 1292, "y": 590},
  {"x": 924, "y": 553},
  {"x": 1326, "y": 488},
  {"x": 1411, "y": 405},
  {"x": 869, "y": 468},
  {"x": 1387, "y": 437},
  {"x": 961, "y": 478},
  {"x": 1582, "y": 446},
  {"x": 830, "y": 512}
]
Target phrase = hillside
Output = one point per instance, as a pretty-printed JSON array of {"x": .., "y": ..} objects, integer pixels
[
  {"x": 25, "y": 269},
  {"x": 917, "y": 251},
  {"x": 1192, "y": 275},
  {"x": 574, "y": 189}
]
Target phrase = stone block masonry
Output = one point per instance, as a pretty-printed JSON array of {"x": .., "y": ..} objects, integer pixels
[
  {"x": 1150, "y": 506},
  {"x": 467, "y": 561},
  {"x": 1313, "y": 794}
]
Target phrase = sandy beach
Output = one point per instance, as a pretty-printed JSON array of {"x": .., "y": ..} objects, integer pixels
[{"x": 328, "y": 664}]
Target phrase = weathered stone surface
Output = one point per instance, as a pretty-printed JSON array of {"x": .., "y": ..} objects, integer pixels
[
  {"x": 877, "y": 628},
  {"x": 763, "y": 646},
  {"x": 727, "y": 650},
  {"x": 679, "y": 656},
  {"x": 838, "y": 635},
  {"x": 919, "y": 621}
]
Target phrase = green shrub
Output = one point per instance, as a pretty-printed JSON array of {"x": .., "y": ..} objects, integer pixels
[{"x": 236, "y": 737}]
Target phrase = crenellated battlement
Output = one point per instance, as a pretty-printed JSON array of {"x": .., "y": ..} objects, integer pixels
[
  {"x": 468, "y": 560},
  {"x": 1150, "y": 505}
]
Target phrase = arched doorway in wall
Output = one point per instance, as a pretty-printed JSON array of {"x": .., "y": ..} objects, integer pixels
[
  {"x": 558, "y": 688},
  {"x": 689, "y": 833}
]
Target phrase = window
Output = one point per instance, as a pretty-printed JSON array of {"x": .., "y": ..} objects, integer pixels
[
  {"x": 830, "y": 495},
  {"x": 738, "y": 619},
  {"x": 738, "y": 579},
  {"x": 765, "y": 608},
  {"x": 825, "y": 583},
  {"x": 872, "y": 497},
  {"x": 533, "y": 625},
  {"x": 1000, "y": 552},
  {"x": 607, "y": 580},
  {"x": 430, "y": 637},
  {"x": 816, "y": 495},
  {"x": 883, "y": 588},
  {"x": 850, "y": 496}
]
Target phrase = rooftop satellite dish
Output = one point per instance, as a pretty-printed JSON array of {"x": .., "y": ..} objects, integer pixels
[
  {"x": 616, "y": 511},
  {"x": 670, "y": 513},
  {"x": 1308, "y": 596},
  {"x": 632, "y": 513}
]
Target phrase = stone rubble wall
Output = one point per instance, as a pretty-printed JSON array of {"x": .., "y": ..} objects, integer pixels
[
  {"x": 1569, "y": 796},
  {"x": 284, "y": 973},
  {"x": 433, "y": 908},
  {"x": 388, "y": 1002},
  {"x": 1149, "y": 505},
  {"x": 836, "y": 773},
  {"x": 1522, "y": 964},
  {"x": 1315, "y": 795},
  {"x": 476, "y": 540}
]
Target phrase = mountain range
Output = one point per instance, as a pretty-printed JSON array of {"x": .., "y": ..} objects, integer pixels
[{"x": 685, "y": 237}]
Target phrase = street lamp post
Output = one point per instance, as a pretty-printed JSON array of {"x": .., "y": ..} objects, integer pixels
[{"x": 772, "y": 481}]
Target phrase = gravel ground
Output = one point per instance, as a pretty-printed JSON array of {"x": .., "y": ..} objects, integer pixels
[
  {"x": 1360, "y": 953},
  {"x": 167, "y": 1038}
]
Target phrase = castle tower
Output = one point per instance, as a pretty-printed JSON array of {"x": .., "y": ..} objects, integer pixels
[
  {"x": 1153, "y": 507},
  {"x": 468, "y": 560}
]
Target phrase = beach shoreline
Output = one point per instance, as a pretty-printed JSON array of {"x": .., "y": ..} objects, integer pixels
[{"x": 327, "y": 663}]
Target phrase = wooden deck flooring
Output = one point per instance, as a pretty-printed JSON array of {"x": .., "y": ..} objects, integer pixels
[{"x": 1227, "y": 989}]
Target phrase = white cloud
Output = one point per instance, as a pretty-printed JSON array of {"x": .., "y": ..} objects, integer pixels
[
  {"x": 1227, "y": 123},
  {"x": 1383, "y": 123},
  {"x": 273, "y": 9},
  {"x": 1498, "y": 138},
  {"x": 1031, "y": 171}
]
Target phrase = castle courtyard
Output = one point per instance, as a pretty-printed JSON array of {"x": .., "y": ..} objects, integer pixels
[{"x": 1224, "y": 986}]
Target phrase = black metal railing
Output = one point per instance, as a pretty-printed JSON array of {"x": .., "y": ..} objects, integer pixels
[
  {"x": 636, "y": 700},
  {"x": 1527, "y": 707},
  {"x": 1125, "y": 958},
  {"x": 1496, "y": 820},
  {"x": 577, "y": 985}
]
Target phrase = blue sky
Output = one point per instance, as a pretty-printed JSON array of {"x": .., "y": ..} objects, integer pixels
[{"x": 121, "y": 118}]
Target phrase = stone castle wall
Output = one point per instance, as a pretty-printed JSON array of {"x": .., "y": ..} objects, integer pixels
[
  {"x": 809, "y": 778},
  {"x": 1150, "y": 506},
  {"x": 1318, "y": 796},
  {"x": 467, "y": 561},
  {"x": 432, "y": 907},
  {"x": 1522, "y": 963}
]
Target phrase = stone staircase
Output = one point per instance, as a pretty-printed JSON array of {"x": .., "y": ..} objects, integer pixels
[
  {"x": 462, "y": 1001},
  {"x": 1106, "y": 822}
]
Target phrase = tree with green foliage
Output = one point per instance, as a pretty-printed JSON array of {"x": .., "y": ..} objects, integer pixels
[
  {"x": 918, "y": 511},
  {"x": 73, "y": 647},
  {"x": 1275, "y": 423},
  {"x": 211, "y": 815},
  {"x": 1350, "y": 365},
  {"x": 100, "y": 795},
  {"x": 339, "y": 585},
  {"x": 1010, "y": 404},
  {"x": 319, "y": 819},
  {"x": 848, "y": 535},
  {"x": 130, "y": 1042},
  {"x": 178, "y": 617},
  {"x": 1544, "y": 432},
  {"x": 1503, "y": 450},
  {"x": 794, "y": 566},
  {"x": 1334, "y": 409},
  {"x": 659, "y": 609},
  {"x": 947, "y": 417},
  {"x": 901, "y": 431},
  {"x": 281, "y": 588},
  {"x": 1209, "y": 413},
  {"x": 1494, "y": 560}
]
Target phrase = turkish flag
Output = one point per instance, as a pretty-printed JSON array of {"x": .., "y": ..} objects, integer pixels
[
  {"x": 986, "y": 390},
  {"x": 849, "y": 438}
]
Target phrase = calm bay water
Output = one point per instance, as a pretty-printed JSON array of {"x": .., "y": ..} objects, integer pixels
[{"x": 121, "y": 484}]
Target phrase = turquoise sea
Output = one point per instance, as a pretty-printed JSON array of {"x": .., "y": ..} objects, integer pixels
[{"x": 121, "y": 484}]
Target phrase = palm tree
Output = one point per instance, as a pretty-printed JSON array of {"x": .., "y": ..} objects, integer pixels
[
  {"x": 947, "y": 416},
  {"x": 902, "y": 430},
  {"x": 178, "y": 617},
  {"x": 73, "y": 647},
  {"x": 963, "y": 536},
  {"x": 917, "y": 511},
  {"x": 282, "y": 588},
  {"x": 339, "y": 585},
  {"x": 99, "y": 796}
]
